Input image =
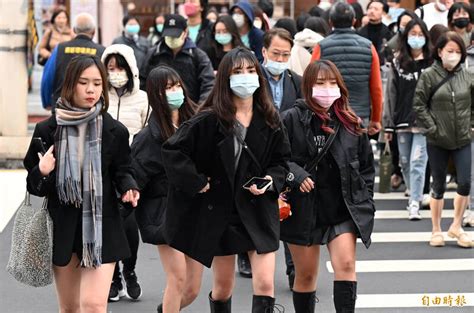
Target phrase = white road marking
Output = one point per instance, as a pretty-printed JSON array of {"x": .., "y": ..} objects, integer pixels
[
  {"x": 409, "y": 237},
  {"x": 12, "y": 192},
  {"x": 403, "y": 214},
  {"x": 425, "y": 265}
]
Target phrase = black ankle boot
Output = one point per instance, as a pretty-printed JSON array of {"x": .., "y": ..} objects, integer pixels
[
  {"x": 345, "y": 294},
  {"x": 220, "y": 306},
  {"x": 304, "y": 302},
  {"x": 265, "y": 304}
]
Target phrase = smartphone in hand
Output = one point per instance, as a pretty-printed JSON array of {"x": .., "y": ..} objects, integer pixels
[
  {"x": 39, "y": 145},
  {"x": 261, "y": 183}
]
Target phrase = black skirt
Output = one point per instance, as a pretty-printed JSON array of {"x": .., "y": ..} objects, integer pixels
[
  {"x": 323, "y": 235},
  {"x": 235, "y": 239}
]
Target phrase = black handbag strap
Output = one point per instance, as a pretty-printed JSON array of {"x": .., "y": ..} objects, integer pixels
[
  {"x": 435, "y": 88},
  {"x": 310, "y": 166},
  {"x": 246, "y": 148}
]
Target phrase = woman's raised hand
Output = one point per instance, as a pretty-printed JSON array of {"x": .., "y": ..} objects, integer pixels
[{"x": 47, "y": 162}]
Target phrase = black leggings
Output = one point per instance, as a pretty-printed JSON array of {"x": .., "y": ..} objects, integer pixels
[{"x": 438, "y": 158}]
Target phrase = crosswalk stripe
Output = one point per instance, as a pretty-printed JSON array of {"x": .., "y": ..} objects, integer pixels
[
  {"x": 425, "y": 265},
  {"x": 401, "y": 195},
  {"x": 403, "y": 214},
  {"x": 413, "y": 300},
  {"x": 408, "y": 237}
]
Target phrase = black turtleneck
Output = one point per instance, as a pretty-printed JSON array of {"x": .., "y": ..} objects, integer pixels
[{"x": 379, "y": 35}]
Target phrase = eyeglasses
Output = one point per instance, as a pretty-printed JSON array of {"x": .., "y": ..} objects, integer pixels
[{"x": 284, "y": 55}]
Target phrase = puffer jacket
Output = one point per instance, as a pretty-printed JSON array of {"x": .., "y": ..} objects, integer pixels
[
  {"x": 131, "y": 108},
  {"x": 450, "y": 117},
  {"x": 300, "y": 56}
]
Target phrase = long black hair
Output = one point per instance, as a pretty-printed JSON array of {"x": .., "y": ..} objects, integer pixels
[
  {"x": 404, "y": 57},
  {"x": 156, "y": 83},
  {"x": 220, "y": 99},
  {"x": 231, "y": 28}
]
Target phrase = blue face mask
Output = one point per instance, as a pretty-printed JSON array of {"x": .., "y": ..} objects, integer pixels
[
  {"x": 276, "y": 68},
  {"x": 223, "y": 39},
  {"x": 416, "y": 42},
  {"x": 401, "y": 29},
  {"x": 175, "y": 98},
  {"x": 159, "y": 27},
  {"x": 132, "y": 29},
  {"x": 244, "y": 85}
]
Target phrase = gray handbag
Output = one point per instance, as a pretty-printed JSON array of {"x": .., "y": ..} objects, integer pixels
[{"x": 31, "y": 255}]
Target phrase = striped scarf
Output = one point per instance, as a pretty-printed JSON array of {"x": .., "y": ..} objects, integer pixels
[{"x": 81, "y": 186}]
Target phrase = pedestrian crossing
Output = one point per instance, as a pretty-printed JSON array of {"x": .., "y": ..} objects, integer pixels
[{"x": 404, "y": 268}]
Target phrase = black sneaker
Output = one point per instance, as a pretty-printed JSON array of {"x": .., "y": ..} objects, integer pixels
[
  {"x": 133, "y": 291},
  {"x": 243, "y": 262},
  {"x": 291, "y": 279},
  {"x": 116, "y": 290}
]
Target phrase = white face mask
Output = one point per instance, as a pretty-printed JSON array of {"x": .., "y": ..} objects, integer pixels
[
  {"x": 239, "y": 19},
  {"x": 450, "y": 60},
  {"x": 118, "y": 79},
  {"x": 442, "y": 7}
]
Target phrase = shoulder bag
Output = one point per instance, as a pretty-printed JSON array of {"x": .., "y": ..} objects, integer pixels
[{"x": 31, "y": 254}]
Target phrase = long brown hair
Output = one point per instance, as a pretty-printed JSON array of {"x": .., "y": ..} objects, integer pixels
[
  {"x": 220, "y": 98},
  {"x": 73, "y": 72},
  {"x": 156, "y": 83},
  {"x": 327, "y": 70}
]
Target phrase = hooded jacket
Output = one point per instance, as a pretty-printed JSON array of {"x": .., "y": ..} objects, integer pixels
[
  {"x": 131, "y": 108},
  {"x": 300, "y": 55},
  {"x": 450, "y": 116},
  {"x": 255, "y": 34},
  {"x": 398, "y": 110}
]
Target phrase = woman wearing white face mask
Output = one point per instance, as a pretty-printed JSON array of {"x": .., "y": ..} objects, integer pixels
[
  {"x": 411, "y": 59},
  {"x": 444, "y": 107},
  {"x": 211, "y": 216},
  {"x": 331, "y": 179},
  {"x": 129, "y": 105}
]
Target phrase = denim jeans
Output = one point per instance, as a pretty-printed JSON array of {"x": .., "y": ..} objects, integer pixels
[{"x": 413, "y": 159}]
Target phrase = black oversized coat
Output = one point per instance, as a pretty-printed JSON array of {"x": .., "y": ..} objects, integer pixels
[
  {"x": 151, "y": 178},
  {"x": 354, "y": 158},
  {"x": 202, "y": 148},
  {"x": 67, "y": 220}
]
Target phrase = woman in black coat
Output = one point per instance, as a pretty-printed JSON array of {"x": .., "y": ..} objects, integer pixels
[
  {"x": 86, "y": 160},
  {"x": 210, "y": 216},
  {"x": 171, "y": 107},
  {"x": 333, "y": 201}
]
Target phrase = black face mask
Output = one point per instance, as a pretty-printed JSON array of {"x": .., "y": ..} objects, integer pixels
[{"x": 461, "y": 22}]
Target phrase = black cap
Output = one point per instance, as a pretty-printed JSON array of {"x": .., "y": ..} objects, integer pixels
[{"x": 174, "y": 25}]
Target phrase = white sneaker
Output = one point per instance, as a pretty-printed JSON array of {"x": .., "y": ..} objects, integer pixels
[
  {"x": 425, "y": 203},
  {"x": 468, "y": 220},
  {"x": 414, "y": 211}
]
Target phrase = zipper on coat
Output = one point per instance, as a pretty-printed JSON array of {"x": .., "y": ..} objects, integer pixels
[{"x": 118, "y": 107}]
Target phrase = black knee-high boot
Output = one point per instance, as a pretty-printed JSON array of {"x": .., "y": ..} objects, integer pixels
[
  {"x": 304, "y": 302},
  {"x": 264, "y": 304},
  {"x": 345, "y": 294},
  {"x": 220, "y": 306}
]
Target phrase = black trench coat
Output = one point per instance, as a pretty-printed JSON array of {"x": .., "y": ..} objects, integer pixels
[
  {"x": 151, "y": 179},
  {"x": 67, "y": 220},
  {"x": 354, "y": 158},
  {"x": 201, "y": 148}
]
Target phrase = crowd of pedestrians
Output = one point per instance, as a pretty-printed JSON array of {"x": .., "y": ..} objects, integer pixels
[{"x": 186, "y": 139}]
